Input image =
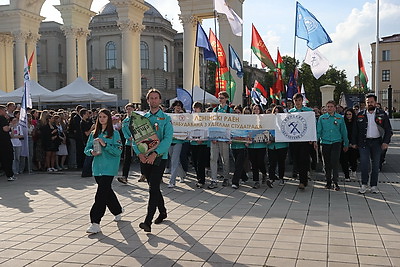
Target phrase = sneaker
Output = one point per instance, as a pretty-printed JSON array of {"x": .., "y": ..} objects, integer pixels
[
  {"x": 59, "y": 168},
  {"x": 94, "y": 228},
  {"x": 281, "y": 182},
  {"x": 302, "y": 186},
  {"x": 145, "y": 227},
  {"x": 225, "y": 182},
  {"x": 354, "y": 174},
  {"x": 118, "y": 217},
  {"x": 199, "y": 185},
  {"x": 54, "y": 169},
  {"x": 235, "y": 186},
  {"x": 256, "y": 185},
  {"x": 182, "y": 180},
  {"x": 160, "y": 218},
  {"x": 49, "y": 169},
  {"x": 264, "y": 179},
  {"x": 374, "y": 190},
  {"x": 337, "y": 188},
  {"x": 212, "y": 185},
  {"x": 269, "y": 183},
  {"x": 328, "y": 186},
  {"x": 171, "y": 186},
  {"x": 122, "y": 180},
  {"x": 12, "y": 178},
  {"x": 363, "y": 189},
  {"x": 347, "y": 179},
  {"x": 142, "y": 178},
  {"x": 167, "y": 171},
  {"x": 65, "y": 168}
]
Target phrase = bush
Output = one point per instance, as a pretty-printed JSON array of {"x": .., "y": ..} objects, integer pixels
[{"x": 396, "y": 115}]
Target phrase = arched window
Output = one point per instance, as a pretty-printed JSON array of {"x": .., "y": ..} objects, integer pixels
[
  {"x": 165, "y": 58},
  {"x": 111, "y": 55},
  {"x": 144, "y": 55}
]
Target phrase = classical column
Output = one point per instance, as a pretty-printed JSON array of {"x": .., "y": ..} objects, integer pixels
[
  {"x": 327, "y": 93},
  {"x": 190, "y": 54},
  {"x": 3, "y": 66},
  {"x": 82, "y": 53},
  {"x": 70, "y": 35},
  {"x": 9, "y": 57},
  {"x": 19, "y": 39},
  {"x": 131, "y": 71},
  {"x": 32, "y": 40}
]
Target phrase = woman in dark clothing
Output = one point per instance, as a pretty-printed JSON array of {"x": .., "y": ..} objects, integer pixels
[
  {"x": 348, "y": 159},
  {"x": 50, "y": 143}
]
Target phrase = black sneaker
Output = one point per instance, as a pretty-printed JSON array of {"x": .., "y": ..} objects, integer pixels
[
  {"x": 337, "y": 188},
  {"x": 122, "y": 180},
  {"x": 145, "y": 227},
  {"x": 225, "y": 182},
  {"x": 212, "y": 185},
  {"x": 328, "y": 186},
  {"x": 200, "y": 185},
  {"x": 256, "y": 185}
]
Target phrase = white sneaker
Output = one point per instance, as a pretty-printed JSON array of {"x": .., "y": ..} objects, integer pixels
[
  {"x": 54, "y": 169},
  {"x": 363, "y": 189},
  {"x": 374, "y": 190},
  {"x": 118, "y": 217},
  {"x": 235, "y": 186},
  {"x": 12, "y": 178},
  {"x": 94, "y": 228},
  {"x": 171, "y": 186}
]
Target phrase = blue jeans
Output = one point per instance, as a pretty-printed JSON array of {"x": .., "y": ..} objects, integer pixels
[{"x": 371, "y": 152}]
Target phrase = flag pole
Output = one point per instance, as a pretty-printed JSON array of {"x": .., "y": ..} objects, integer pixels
[
  {"x": 294, "y": 42},
  {"x": 377, "y": 51},
  {"x": 205, "y": 85}
]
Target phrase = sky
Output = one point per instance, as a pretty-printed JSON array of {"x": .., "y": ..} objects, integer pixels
[{"x": 348, "y": 23}]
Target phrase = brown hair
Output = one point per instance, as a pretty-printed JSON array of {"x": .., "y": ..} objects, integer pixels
[
  {"x": 109, "y": 129},
  {"x": 153, "y": 90}
]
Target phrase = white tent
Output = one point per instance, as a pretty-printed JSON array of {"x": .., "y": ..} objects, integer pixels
[
  {"x": 79, "y": 91},
  {"x": 37, "y": 93},
  {"x": 2, "y": 92},
  {"x": 198, "y": 95}
]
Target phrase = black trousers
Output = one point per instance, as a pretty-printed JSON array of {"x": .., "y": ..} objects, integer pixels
[
  {"x": 239, "y": 155},
  {"x": 105, "y": 197},
  {"x": 257, "y": 156},
  {"x": 277, "y": 157},
  {"x": 349, "y": 160},
  {"x": 127, "y": 160},
  {"x": 80, "y": 155},
  {"x": 154, "y": 175},
  {"x": 6, "y": 159},
  {"x": 199, "y": 155},
  {"x": 301, "y": 155}
]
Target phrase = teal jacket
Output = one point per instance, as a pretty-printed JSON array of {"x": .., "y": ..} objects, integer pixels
[
  {"x": 332, "y": 129},
  {"x": 163, "y": 126},
  {"x": 303, "y": 108},
  {"x": 279, "y": 145},
  {"x": 257, "y": 145},
  {"x": 107, "y": 163},
  {"x": 126, "y": 132},
  {"x": 238, "y": 145}
]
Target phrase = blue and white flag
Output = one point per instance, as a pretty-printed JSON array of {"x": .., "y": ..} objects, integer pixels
[
  {"x": 258, "y": 98},
  {"x": 186, "y": 99},
  {"x": 310, "y": 29},
  {"x": 25, "y": 104},
  {"x": 234, "y": 62},
  {"x": 203, "y": 41}
]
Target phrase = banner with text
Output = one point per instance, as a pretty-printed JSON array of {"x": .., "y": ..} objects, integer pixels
[{"x": 282, "y": 127}]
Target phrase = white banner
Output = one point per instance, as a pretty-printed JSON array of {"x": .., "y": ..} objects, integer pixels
[{"x": 282, "y": 127}]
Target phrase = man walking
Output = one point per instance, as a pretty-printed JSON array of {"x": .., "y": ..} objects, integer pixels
[
  {"x": 153, "y": 165},
  {"x": 331, "y": 132},
  {"x": 6, "y": 155},
  {"x": 371, "y": 134}
]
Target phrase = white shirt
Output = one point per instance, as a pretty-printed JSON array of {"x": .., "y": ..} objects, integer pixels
[{"x": 372, "y": 129}]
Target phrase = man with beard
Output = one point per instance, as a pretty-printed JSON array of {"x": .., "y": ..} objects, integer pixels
[{"x": 371, "y": 134}]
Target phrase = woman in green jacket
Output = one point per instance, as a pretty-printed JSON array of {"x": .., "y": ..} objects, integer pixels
[{"x": 105, "y": 145}]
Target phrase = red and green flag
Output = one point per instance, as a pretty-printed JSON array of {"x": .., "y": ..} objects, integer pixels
[
  {"x": 218, "y": 50},
  {"x": 260, "y": 50},
  {"x": 260, "y": 88},
  {"x": 224, "y": 82},
  {"x": 362, "y": 74}
]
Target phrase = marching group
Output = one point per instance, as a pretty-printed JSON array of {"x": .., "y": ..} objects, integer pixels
[{"x": 94, "y": 140}]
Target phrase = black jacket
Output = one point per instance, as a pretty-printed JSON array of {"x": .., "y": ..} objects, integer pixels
[{"x": 360, "y": 126}]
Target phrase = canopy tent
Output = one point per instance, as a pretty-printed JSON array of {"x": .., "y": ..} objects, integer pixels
[
  {"x": 79, "y": 91},
  {"x": 2, "y": 92},
  {"x": 37, "y": 93},
  {"x": 198, "y": 95}
]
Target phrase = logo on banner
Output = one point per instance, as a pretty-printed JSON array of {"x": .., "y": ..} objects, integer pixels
[{"x": 294, "y": 127}]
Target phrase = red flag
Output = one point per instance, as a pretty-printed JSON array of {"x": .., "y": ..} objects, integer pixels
[
  {"x": 361, "y": 71},
  {"x": 260, "y": 50},
  {"x": 218, "y": 50},
  {"x": 260, "y": 88},
  {"x": 247, "y": 92},
  {"x": 272, "y": 94},
  {"x": 30, "y": 60}
]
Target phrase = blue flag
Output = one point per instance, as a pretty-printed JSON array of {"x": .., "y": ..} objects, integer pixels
[
  {"x": 310, "y": 29},
  {"x": 234, "y": 62},
  {"x": 202, "y": 41},
  {"x": 186, "y": 98},
  {"x": 291, "y": 87}
]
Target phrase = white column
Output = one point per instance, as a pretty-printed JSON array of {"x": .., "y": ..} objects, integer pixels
[
  {"x": 19, "y": 39},
  {"x": 70, "y": 34},
  {"x": 190, "y": 77},
  {"x": 131, "y": 71},
  {"x": 82, "y": 54},
  {"x": 31, "y": 47},
  {"x": 3, "y": 66},
  {"x": 327, "y": 93},
  {"x": 9, "y": 50}
]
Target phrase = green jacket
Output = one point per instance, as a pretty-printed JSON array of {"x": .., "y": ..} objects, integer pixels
[
  {"x": 332, "y": 129},
  {"x": 107, "y": 163},
  {"x": 126, "y": 131}
]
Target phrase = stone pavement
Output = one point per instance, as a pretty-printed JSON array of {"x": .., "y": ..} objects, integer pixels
[{"x": 44, "y": 218}]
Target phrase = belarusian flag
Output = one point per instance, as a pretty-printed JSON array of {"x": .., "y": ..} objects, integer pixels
[
  {"x": 224, "y": 82},
  {"x": 361, "y": 71},
  {"x": 280, "y": 65},
  {"x": 260, "y": 50},
  {"x": 260, "y": 88}
]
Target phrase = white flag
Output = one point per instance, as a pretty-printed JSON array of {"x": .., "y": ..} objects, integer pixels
[
  {"x": 318, "y": 63},
  {"x": 234, "y": 20}
]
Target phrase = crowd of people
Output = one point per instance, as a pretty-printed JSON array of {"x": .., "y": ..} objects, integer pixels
[{"x": 94, "y": 140}]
